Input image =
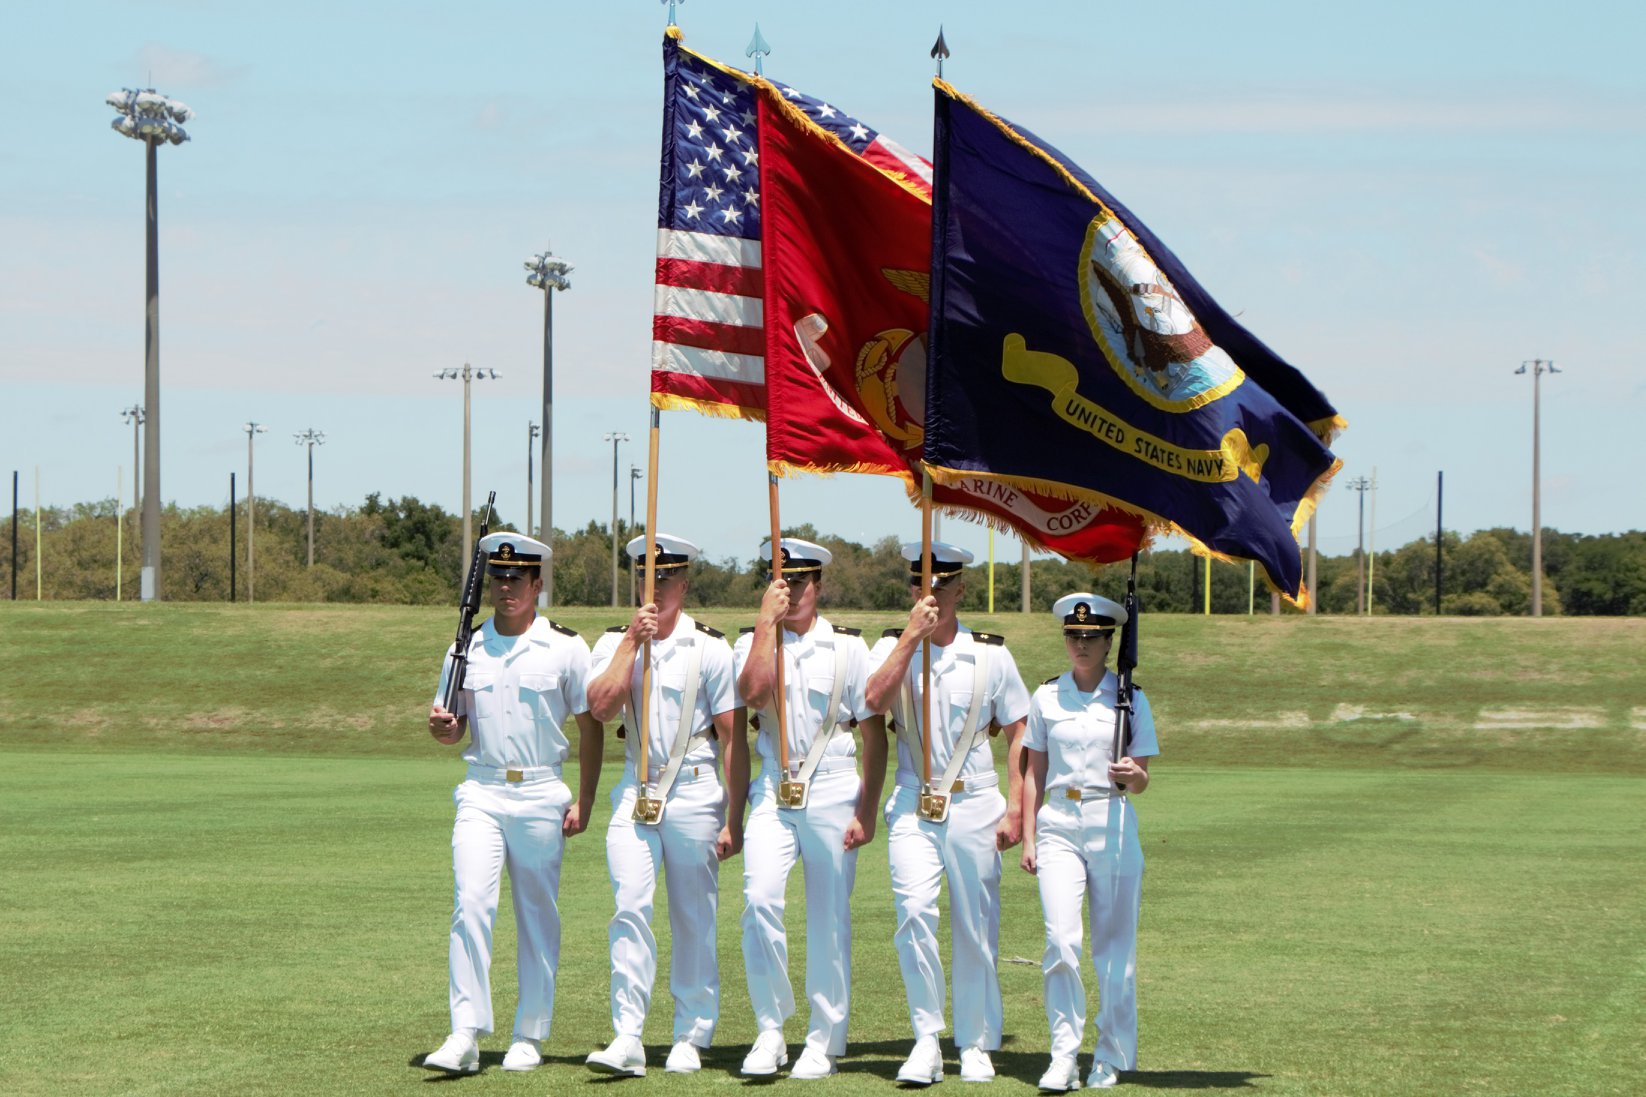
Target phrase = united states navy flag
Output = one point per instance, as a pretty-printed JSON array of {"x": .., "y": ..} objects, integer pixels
[{"x": 1072, "y": 354}]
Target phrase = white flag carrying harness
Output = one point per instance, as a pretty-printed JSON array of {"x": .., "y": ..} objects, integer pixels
[
  {"x": 792, "y": 792},
  {"x": 649, "y": 809},
  {"x": 934, "y": 799}
]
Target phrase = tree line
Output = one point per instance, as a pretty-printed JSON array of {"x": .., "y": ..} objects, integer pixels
[{"x": 404, "y": 551}]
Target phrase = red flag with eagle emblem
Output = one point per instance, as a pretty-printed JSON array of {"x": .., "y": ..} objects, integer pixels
[{"x": 847, "y": 262}]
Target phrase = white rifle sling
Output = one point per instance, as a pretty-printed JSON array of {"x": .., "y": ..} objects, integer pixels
[
  {"x": 684, "y": 734},
  {"x": 820, "y": 741}
]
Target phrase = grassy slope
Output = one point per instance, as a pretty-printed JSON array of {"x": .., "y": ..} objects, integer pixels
[{"x": 225, "y": 836}]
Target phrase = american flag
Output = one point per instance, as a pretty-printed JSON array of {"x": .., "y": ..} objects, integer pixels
[{"x": 708, "y": 333}]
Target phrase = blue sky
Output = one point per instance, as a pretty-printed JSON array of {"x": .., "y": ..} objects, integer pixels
[{"x": 1406, "y": 200}]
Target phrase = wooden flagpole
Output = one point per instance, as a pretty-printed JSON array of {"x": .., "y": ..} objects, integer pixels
[
  {"x": 781, "y": 732},
  {"x": 644, "y": 756},
  {"x": 926, "y": 644}
]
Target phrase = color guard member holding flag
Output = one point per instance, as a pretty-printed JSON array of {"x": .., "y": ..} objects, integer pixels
[
  {"x": 682, "y": 822},
  {"x": 525, "y": 675},
  {"x": 960, "y": 824},
  {"x": 1083, "y": 842},
  {"x": 808, "y": 802}
]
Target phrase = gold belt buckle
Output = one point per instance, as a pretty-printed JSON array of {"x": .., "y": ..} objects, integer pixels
[
  {"x": 1072, "y": 794},
  {"x": 792, "y": 794},
  {"x": 513, "y": 776},
  {"x": 933, "y": 806}
]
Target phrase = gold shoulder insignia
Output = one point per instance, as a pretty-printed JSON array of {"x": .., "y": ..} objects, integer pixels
[
  {"x": 989, "y": 638},
  {"x": 618, "y": 628},
  {"x": 710, "y": 630},
  {"x": 847, "y": 630},
  {"x": 562, "y": 629},
  {"x": 893, "y": 633}
]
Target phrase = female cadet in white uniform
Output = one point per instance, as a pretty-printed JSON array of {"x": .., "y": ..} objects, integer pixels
[
  {"x": 699, "y": 824},
  {"x": 818, "y": 810},
  {"x": 525, "y": 675},
  {"x": 966, "y": 846},
  {"x": 1083, "y": 843}
]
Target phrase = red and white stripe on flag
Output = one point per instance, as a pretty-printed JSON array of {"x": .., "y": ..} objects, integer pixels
[{"x": 708, "y": 325}]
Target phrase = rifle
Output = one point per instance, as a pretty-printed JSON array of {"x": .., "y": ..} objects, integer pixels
[
  {"x": 1125, "y": 663},
  {"x": 466, "y": 610}
]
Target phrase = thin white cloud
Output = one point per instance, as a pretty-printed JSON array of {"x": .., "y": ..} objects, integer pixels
[{"x": 176, "y": 69}]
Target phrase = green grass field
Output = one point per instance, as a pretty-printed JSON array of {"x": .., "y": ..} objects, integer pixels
[{"x": 1385, "y": 857}]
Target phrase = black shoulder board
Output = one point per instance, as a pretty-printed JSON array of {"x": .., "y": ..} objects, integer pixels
[
  {"x": 894, "y": 633},
  {"x": 989, "y": 638},
  {"x": 745, "y": 630},
  {"x": 1052, "y": 679},
  {"x": 562, "y": 629},
  {"x": 847, "y": 630},
  {"x": 1137, "y": 687},
  {"x": 618, "y": 628},
  {"x": 712, "y": 631}
]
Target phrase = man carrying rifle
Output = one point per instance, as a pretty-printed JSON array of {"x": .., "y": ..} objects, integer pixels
[{"x": 524, "y": 675}]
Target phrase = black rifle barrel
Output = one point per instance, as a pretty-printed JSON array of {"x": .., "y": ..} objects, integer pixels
[
  {"x": 466, "y": 610},
  {"x": 1125, "y": 663}
]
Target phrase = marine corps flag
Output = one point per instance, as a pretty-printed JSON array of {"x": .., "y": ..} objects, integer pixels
[
  {"x": 847, "y": 260},
  {"x": 1072, "y": 354}
]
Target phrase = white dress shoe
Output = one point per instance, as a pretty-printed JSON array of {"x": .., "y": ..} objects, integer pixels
[
  {"x": 523, "y": 1054},
  {"x": 1061, "y": 1077},
  {"x": 623, "y": 1055},
  {"x": 458, "y": 1055},
  {"x": 812, "y": 1064},
  {"x": 924, "y": 1064},
  {"x": 683, "y": 1058},
  {"x": 769, "y": 1053},
  {"x": 1103, "y": 1076},
  {"x": 975, "y": 1065}
]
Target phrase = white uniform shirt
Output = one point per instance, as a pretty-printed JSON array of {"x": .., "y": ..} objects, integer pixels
[
  {"x": 716, "y": 692},
  {"x": 1076, "y": 732},
  {"x": 1005, "y": 701},
  {"x": 808, "y": 681},
  {"x": 518, "y": 692}
]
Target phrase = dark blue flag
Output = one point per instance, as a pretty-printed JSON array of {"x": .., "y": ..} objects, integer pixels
[{"x": 1072, "y": 354}]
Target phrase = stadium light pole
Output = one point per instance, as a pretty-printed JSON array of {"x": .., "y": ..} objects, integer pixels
[
  {"x": 466, "y": 374},
  {"x": 134, "y": 415},
  {"x": 1537, "y": 367},
  {"x": 311, "y": 438},
  {"x": 252, "y": 431},
  {"x": 532, "y": 431},
  {"x": 155, "y": 120},
  {"x": 615, "y": 438},
  {"x": 548, "y": 274}
]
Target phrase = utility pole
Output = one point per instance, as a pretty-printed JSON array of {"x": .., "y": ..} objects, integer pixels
[
  {"x": 548, "y": 274},
  {"x": 532, "y": 431},
  {"x": 252, "y": 431},
  {"x": 1440, "y": 499},
  {"x": 1537, "y": 367},
  {"x": 1026, "y": 591},
  {"x": 135, "y": 415},
  {"x": 311, "y": 438},
  {"x": 615, "y": 438},
  {"x": 1362, "y": 485},
  {"x": 466, "y": 375},
  {"x": 1314, "y": 588}
]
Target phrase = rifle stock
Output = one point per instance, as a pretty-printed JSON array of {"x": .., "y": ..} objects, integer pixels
[{"x": 467, "y": 608}]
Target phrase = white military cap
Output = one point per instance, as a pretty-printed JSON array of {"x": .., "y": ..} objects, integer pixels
[
  {"x": 1088, "y": 612},
  {"x": 947, "y": 559},
  {"x": 668, "y": 552},
  {"x": 799, "y": 557},
  {"x": 512, "y": 554}
]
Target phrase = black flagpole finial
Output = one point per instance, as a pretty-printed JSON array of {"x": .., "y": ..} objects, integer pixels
[
  {"x": 940, "y": 50},
  {"x": 757, "y": 50}
]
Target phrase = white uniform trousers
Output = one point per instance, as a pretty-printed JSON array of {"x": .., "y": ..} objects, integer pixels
[
  {"x": 1090, "y": 850},
  {"x": 515, "y": 824},
  {"x": 921, "y": 854},
  {"x": 681, "y": 845},
  {"x": 771, "y": 840}
]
